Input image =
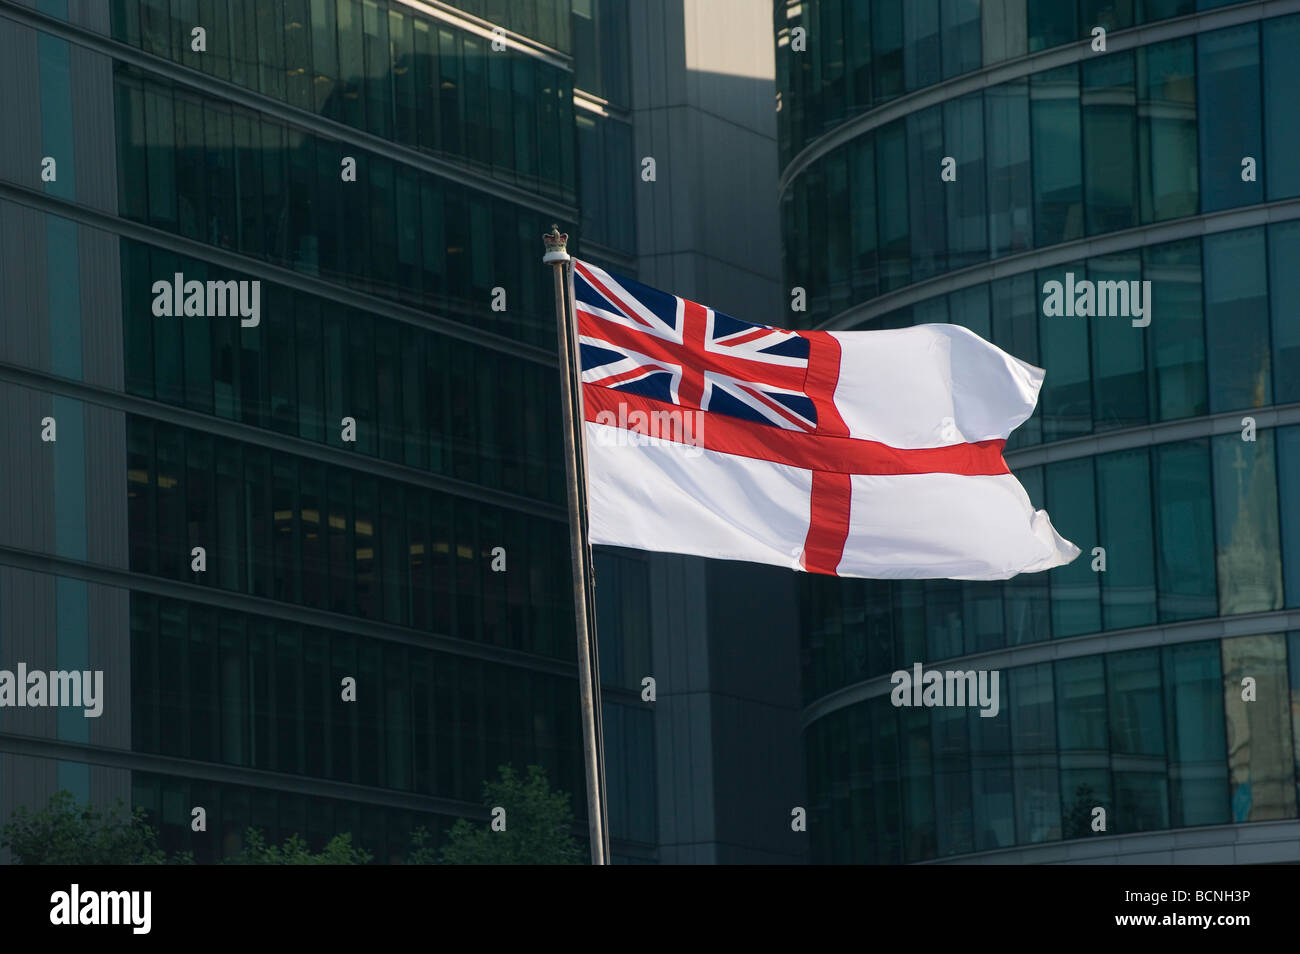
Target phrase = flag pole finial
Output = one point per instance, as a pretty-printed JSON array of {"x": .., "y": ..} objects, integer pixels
[{"x": 556, "y": 246}]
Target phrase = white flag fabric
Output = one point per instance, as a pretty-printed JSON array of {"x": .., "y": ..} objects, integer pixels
[{"x": 861, "y": 453}]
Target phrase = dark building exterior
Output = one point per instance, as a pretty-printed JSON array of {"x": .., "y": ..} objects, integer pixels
[
  {"x": 327, "y": 558},
  {"x": 1122, "y": 688},
  {"x": 384, "y": 170}
]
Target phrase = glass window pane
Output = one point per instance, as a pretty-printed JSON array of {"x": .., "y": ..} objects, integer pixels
[
  {"x": 921, "y": 60},
  {"x": 1137, "y": 741},
  {"x": 1119, "y": 379},
  {"x": 1177, "y": 341},
  {"x": 1071, "y": 497},
  {"x": 1051, "y": 23},
  {"x": 1227, "y": 73},
  {"x": 1124, "y": 518},
  {"x": 1084, "y": 747},
  {"x": 1284, "y": 301},
  {"x": 1110, "y": 143},
  {"x": 1281, "y": 93},
  {"x": 1247, "y": 551},
  {"x": 1236, "y": 320},
  {"x": 1288, "y": 478},
  {"x": 961, "y": 36},
  {"x": 1004, "y": 29},
  {"x": 1066, "y": 394},
  {"x": 1006, "y": 115},
  {"x": 887, "y": 48},
  {"x": 1167, "y": 130},
  {"x": 891, "y": 206},
  {"x": 1033, "y": 735},
  {"x": 1015, "y": 307},
  {"x": 1185, "y": 531},
  {"x": 1058, "y": 173},
  {"x": 963, "y": 140},
  {"x": 1261, "y": 759},
  {"x": 1198, "y": 762}
]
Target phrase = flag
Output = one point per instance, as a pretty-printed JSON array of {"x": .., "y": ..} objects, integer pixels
[{"x": 860, "y": 453}]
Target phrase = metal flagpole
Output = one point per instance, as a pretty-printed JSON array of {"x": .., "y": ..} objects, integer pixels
[{"x": 584, "y": 607}]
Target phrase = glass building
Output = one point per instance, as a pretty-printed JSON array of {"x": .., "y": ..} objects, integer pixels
[
  {"x": 1158, "y": 675},
  {"x": 366, "y": 468}
]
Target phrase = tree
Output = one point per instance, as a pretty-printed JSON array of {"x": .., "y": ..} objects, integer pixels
[
  {"x": 62, "y": 833},
  {"x": 1078, "y": 817},
  {"x": 538, "y": 827},
  {"x": 338, "y": 851}
]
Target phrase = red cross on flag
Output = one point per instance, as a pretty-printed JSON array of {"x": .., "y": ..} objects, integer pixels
[{"x": 861, "y": 453}]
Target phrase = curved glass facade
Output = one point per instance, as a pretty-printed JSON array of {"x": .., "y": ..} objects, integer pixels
[
  {"x": 861, "y": 54},
  {"x": 1186, "y": 512},
  {"x": 1122, "y": 140},
  {"x": 1160, "y": 737}
]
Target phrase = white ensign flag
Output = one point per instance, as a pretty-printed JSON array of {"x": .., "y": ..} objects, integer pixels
[{"x": 861, "y": 453}]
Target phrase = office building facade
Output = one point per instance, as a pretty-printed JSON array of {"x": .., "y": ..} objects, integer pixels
[
  {"x": 368, "y": 457},
  {"x": 367, "y": 464},
  {"x": 944, "y": 161}
]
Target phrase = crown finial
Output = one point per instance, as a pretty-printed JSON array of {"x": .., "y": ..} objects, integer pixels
[{"x": 556, "y": 245}]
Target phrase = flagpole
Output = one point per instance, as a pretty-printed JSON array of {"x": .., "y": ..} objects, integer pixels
[{"x": 557, "y": 256}]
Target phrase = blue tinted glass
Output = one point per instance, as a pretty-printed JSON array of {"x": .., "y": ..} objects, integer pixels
[{"x": 1227, "y": 73}]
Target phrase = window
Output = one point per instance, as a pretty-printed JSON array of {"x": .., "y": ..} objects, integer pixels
[
  {"x": 1284, "y": 300},
  {"x": 963, "y": 139},
  {"x": 1185, "y": 577},
  {"x": 1177, "y": 341},
  {"x": 921, "y": 59},
  {"x": 1124, "y": 520},
  {"x": 1236, "y": 319},
  {"x": 1261, "y": 758},
  {"x": 1058, "y": 175},
  {"x": 1281, "y": 92},
  {"x": 1015, "y": 310},
  {"x": 1071, "y": 498},
  {"x": 1109, "y": 14},
  {"x": 1247, "y": 548},
  {"x": 1198, "y": 764},
  {"x": 961, "y": 36},
  {"x": 892, "y": 208},
  {"x": 1033, "y": 739},
  {"x": 1051, "y": 23},
  {"x": 887, "y": 48},
  {"x": 1004, "y": 30},
  {"x": 925, "y": 150},
  {"x": 1010, "y": 217},
  {"x": 1167, "y": 130},
  {"x": 992, "y": 798},
  {"x": 863, "y": 262},
  {"x": 1084, "y": 744},
  {"x": 1228, "y": 97},
  {"x": 1119, "y": 375},
  {"x": 1110, "y": 143},
  {"x": 1066, "y": 394},
  {"x": 952, "y": 782},
  {"x": 1137, "y": 741},
  {"x": 1288, "y": 475}
]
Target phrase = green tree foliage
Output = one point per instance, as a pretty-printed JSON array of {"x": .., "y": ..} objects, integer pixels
[
  {"x": 538, "y": 827},
  {"x": 294, "y": 851},
  {"x": 64, "y": 833}
]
